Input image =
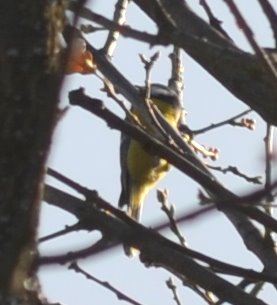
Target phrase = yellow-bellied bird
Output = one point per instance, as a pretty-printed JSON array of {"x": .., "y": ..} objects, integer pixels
[{"x": 140, "y": 169}]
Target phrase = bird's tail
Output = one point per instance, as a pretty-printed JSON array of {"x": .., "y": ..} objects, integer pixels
[
  {"x": 134, "y": 211},
  {"x": 136, "y": 200}
]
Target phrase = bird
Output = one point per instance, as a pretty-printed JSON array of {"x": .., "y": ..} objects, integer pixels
[{"x": 141, "y": 169}]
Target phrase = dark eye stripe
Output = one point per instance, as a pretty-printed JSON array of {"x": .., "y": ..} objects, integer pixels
[{"x": 163, "y": 93}]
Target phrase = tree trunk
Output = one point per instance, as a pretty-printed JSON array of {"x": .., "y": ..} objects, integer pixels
[{"x": 29, "y": 86}]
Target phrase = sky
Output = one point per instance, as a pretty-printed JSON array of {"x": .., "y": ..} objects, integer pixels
[{"x": 87, "y": 151}]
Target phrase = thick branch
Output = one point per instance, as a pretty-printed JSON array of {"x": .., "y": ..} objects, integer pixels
[
  {"x": 155, "y": 249},
  {"x": 180, "y": 26},
  {"x": 251, "y": 236},
  {"x": 271, "y": 16}
]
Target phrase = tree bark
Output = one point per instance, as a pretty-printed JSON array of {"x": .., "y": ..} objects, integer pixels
[{"x": 29, "y": 86}]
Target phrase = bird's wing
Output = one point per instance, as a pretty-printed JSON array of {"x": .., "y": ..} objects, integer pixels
[{"x": 124, "y": 198}]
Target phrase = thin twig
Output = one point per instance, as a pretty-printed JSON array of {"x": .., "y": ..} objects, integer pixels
[
  {"x": 88, "y": 28},
  {"x": 120, "y": 295},
  {"x": 148, "y": 66},
  {"x": 251, "y": 201},
  {"x": 271, "y": 16},
  {"x": 268, "y": 160},
  {"x": 268, "y": 175},
  {"x": 176, "y": 82},
  {"x": 171, "y": 285},
  {"x": 119, "y": 18},
  {"x": 214, "y": 22},
  {"x": 222, "y": 123},
  {"x": 109, "y": 89},
  {"x": 124, "y": 30},
  {"x": 234, "y": 170},
  {"x": 206, "y": 152},
  {"x": 241, "y": 22},
  {"x": 68, "y": 229},
  {"x": 103, "y": 244},
  {"x": 169, "y": 210}
]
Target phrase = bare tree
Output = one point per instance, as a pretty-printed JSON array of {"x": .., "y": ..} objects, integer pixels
[{"x": 32, "y": 66}]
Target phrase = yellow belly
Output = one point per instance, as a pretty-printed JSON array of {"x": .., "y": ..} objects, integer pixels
[{"x": 145, "y": 169}]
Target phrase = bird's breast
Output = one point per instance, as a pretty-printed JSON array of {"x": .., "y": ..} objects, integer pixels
[{"x": 143, "y": 166}]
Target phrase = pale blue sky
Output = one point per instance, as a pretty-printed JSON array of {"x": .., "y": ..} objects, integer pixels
[{"x": 85, "y": 150}]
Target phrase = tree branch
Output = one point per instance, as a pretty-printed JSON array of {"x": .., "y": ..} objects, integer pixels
[
  {"x": 194, "y": 168},
  {"x": 155, "y": 249},
  {"x": 261, "y": 54},
  {"x": 271, "y": 17},
  {"x": 222, "y": 59},
  {"x": 119, "y": 294},
  {"x": 119, "y": 19}
]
